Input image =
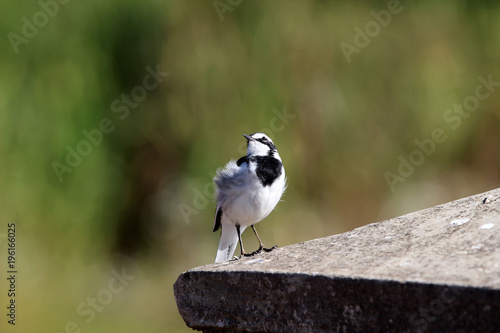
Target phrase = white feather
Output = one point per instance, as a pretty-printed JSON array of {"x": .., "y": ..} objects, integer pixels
[{"x": 228, "y": 242}]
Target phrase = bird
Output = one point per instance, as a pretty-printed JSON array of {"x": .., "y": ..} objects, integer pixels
[{"x": 247, "y": 190}]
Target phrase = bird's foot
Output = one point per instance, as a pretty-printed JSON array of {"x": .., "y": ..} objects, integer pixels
[
  {"x": 259, "y": 250},
  {"x": 270, "y": 249}
]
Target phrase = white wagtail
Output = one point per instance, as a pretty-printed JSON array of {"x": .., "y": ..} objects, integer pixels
[{"x": 247, "y": 191}]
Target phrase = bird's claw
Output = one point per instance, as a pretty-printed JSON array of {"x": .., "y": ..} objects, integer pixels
[
  {"x": 259, "y": 250},
  {"x": 270, "y": 249}
]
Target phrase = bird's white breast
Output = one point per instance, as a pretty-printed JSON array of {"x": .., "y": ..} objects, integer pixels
[{"x": 255, "y": 201}]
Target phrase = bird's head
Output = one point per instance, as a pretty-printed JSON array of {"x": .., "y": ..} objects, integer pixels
[{"x": 259, "y": 144}]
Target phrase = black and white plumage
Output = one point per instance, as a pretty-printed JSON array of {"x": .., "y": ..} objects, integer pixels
[{"x": 247, "y": 191}]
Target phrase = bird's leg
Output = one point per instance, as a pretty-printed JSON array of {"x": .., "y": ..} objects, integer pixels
[
  {"x": 261, "y": 246},
  {"x": 243, "y": 253}
]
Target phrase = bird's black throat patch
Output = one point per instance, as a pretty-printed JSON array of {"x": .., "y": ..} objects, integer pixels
[{"x": 268, "y": 168}]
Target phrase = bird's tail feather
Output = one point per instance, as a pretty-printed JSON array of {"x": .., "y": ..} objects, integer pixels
[{"x": 228, "y": 242}]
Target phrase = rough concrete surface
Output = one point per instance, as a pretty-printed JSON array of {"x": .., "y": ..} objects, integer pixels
[{"x": 435, "y": 270}]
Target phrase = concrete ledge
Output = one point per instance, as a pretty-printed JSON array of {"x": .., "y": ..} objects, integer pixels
[{"x": 436, "y": 270}]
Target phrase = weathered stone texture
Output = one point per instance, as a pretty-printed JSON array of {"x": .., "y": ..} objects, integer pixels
[{"x": 436, "y": 270}]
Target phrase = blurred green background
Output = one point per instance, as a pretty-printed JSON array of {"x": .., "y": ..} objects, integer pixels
[{"x": 137, "y": 200}]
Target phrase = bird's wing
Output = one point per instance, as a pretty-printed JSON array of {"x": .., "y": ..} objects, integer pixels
[
  {"x": 230, "y": 183},
  {"x": 223, "y": 178},
  {"x": 242, "y": 160}
]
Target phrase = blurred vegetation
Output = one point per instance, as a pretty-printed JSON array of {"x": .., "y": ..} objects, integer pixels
[{"x": 122, "y": 206}]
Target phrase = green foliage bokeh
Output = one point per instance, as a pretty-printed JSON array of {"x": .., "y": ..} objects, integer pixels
[{"x": 339, "y": 125}]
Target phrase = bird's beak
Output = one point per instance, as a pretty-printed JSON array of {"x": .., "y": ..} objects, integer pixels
[{"x": 248, "y": 137}]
